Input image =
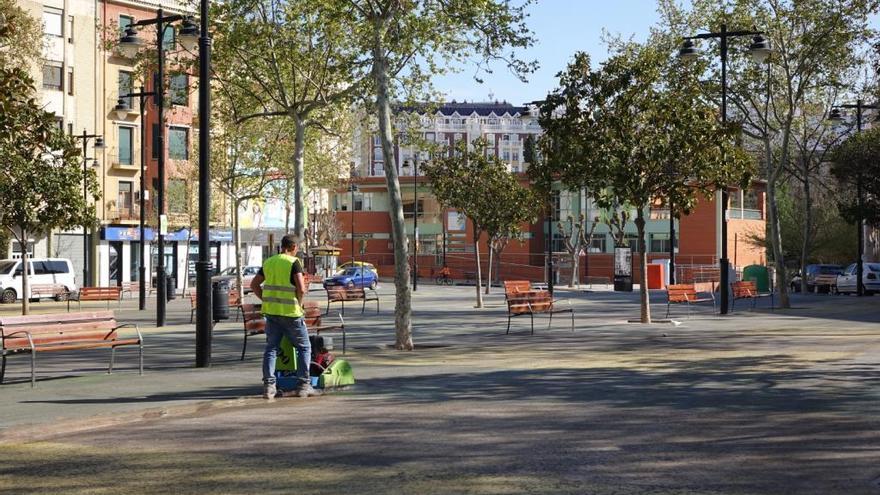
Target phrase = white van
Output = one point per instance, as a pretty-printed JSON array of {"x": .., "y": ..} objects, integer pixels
[{"x": 43, "y": 271}]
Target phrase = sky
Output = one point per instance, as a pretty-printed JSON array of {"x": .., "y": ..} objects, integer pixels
[{"x": 561, "y": 27}]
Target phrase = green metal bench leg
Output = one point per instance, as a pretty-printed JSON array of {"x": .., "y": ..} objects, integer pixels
[
  {"x": 3, "y": 367},
  {"x": 244, "y": 347},
  {"x": 112, "y": 359}
]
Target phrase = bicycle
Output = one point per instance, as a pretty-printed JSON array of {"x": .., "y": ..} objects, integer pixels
[{"x": 443, "y": 279}]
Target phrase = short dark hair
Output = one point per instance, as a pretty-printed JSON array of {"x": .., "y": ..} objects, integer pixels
[{"x": 289, "y": 241}]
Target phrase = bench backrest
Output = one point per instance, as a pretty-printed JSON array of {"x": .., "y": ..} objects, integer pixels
[
  {"x": 533, "y": 301},
  {"x": 681, "y": 292},
  {"x": 312, "y": 314},
  {"x": 514, "y": 286},
  {"x": 344, "y": 294},
  {"x": 59, "y": 327},
  {"x": 744, "y": 288},
  {"x": 87, "y": 293},
  {"x": 254, "y": 322}
]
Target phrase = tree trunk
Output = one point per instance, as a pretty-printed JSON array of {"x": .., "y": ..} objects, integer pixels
[
  {"x": 479, "y": 275},
  {"x": 574, "y": 268},
  {"x": 498, "y": 265},
  {"x": 489, "y": 268},
  {"x": 236, "y": 232},
  {"x": 25, "y": 275},
  {"x": 643, "y": 268},
  {"x": 776, "y": 245},
  {"x": 287, "y": 206},
  {"x": 403, "y": 296},
  {"x": 299, "y": 201}
]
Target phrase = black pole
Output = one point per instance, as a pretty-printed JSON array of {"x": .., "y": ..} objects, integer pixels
[
  {"x": 142, "y": 268},
  {"x": 550, "y": 211},
  {"x": 352, "y": 188},
  {"x": 203, "y": 266},
  {"x": 671, "y": 243},
  {"x": 85, "y": 283},
  {"x": 724, "y": 263},
  {"x": 861, "y": 234},
  {"x": 160, "y": 104},
  {"x": 415, "y": 225}
]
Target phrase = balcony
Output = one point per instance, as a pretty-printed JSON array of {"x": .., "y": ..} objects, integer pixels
[
  {"x": 745, "y": 214},
  {"x": 130, "y": 164},
  {"x": 123, "y": 213}
]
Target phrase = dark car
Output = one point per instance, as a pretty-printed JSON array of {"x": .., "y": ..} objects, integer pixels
[
  {"x": 819, "y": 277},
  {"x": 353, "y": 277}
]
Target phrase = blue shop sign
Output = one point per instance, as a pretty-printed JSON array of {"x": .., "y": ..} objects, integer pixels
[{"x": 125, "y": 234}]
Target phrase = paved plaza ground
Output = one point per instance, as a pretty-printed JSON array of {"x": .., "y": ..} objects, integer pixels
[{"x": 755, "y": 402}]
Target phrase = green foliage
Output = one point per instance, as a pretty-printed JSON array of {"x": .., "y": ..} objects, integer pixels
[
  {"x": 482, "y": 188},
  {"x": 42, "y": 180},
  {"x": 21, "y": 36},
  {"x": 858, "y": 160}
]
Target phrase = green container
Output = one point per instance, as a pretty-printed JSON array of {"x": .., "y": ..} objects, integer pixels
[
  {"x": 760, "y": 275},
  {"x": 286, "y": 359},
  {"x": 338, "y": 374}
]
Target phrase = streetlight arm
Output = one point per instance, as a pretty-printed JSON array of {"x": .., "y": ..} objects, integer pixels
[
  {"x": 728, "y": 34},
  {"x": 156, "y": 20},
  {"x": 142, "y": 93}
]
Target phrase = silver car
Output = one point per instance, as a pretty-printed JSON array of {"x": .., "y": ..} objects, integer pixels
[{"x": 846, "y": 281}]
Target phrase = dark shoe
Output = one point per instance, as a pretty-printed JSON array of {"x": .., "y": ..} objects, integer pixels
[
  {"x": 307, "y": 391},
  {"x": 269, "y": 391}
]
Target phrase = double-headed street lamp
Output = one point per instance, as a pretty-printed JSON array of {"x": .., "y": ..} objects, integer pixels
[
  {"x": 99, "y": 145},
  {"x": 190, "y": 35},
  {"x": 837, "y": 116},
  {"x": 122, "y": 110},
  {"x": 129, "y": 45},
  {"x": 760, "y": 51}
]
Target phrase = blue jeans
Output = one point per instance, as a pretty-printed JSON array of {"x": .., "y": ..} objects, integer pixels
[{"x": 296, "y": 331}]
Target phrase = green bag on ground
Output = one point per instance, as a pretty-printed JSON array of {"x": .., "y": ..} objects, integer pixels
[
  {"x": 286, "y": 359},
  {"x": 338, "y": 374}
]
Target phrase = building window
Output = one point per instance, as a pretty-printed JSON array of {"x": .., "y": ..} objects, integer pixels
[
  {"x": 363, "y": 201},
  {"x": 53, "y": 75},
  {"x": 168, "y": 37},
  {"x": 659, "y": 243},
  {"x": 53, "y": 22},
  {"x": 124, "y": 198},
  {"x": 632, "y": 241},
  {"x": 70, "y": 128},
  {"x": 70, "y": 81},
  {"x": 70, "y": 29},
  {"x": 59, "y": 121},
  {"x": 126, "y": 145},
  {"x": 124, "y": 22},
  {"x": 408, "y": 208},
  {"x": 125, "y": 85},
  {"x": 176, "y": 195},
  {"x": 178, "y": 143},
  {"x": 155, "y": 141},
  {"x": 597, "y": 244},
  {"x": 179, "y": 89}
]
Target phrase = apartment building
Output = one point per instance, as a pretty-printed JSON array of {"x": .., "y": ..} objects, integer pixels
[
  {"x": 82, "y": 81},
  {"x": 444, "y": 236}
]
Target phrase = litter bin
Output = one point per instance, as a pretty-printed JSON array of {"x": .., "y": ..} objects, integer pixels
[
  {"x": 655, "y": 276},
  {"x": 170, "y": 287},
  {"x": 220, "y": 301}
]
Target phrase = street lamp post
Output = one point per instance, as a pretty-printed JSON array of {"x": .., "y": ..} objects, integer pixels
[
  {"x": 99, "y": 144},
  {"x": 859, "y": 107},
  {"x": 760, "y": 50},
  {"x": 129, "y": 44},
  {"x": 415, "y": 244},
  {"x": 122, "y": 109}
]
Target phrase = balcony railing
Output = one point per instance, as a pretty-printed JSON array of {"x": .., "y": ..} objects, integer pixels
[{"x": 124, "y": 213}]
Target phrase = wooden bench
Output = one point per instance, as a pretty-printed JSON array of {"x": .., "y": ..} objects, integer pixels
[
  {"x": 523, "y": 300},
  {"x": 108, "y": 294},
  {"x": 131, "y": 288},
  {"x": 748, "y": 289},
  {"x": 342, "y": 294},
  {"x": 686, "y": 294},
  {"x": 62, "y": 332},
  {"x": 234, "y": 304},
  {"x": 56, "y": 291},
  {"x": 255, "y": 322}
]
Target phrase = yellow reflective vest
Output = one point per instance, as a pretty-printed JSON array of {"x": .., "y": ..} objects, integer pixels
[{"x": 279, "y": 295}]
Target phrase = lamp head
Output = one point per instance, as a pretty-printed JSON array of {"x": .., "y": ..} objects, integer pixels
[
  {"x": 95, "y": 163},
  {"x": 760, "y": 49},
  {"x": 836, "y": 115},
  {"x": 99, "y": 143},
  {"x": 688, "y": 50},
  {"x": 130, "y": 43},
  {"x": 121, "y": 109},
  {"x": 189, "y": 34}
]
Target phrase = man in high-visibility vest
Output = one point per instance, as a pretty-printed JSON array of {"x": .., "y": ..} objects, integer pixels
[{"x": 281, "y": 287}]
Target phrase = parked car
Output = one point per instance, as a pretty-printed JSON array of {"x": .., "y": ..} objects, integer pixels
[
  {"x": 846, "y": 281},
  {"x": 247, "y": 275},
  {"x": 821, "y": 277},
  {"x": 351, "y": 264},
  {"x": 42, "y": 271},
  {"x": 353, "y": 277}
]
